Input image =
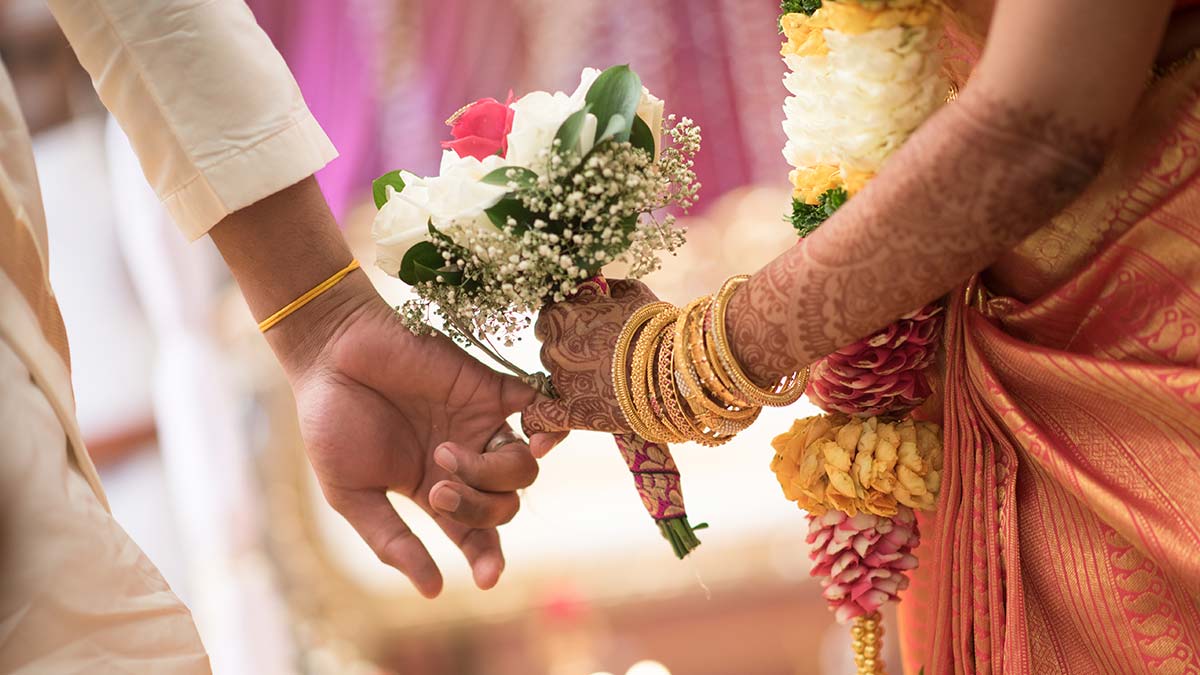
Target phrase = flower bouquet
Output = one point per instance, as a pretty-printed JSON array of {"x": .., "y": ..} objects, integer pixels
[{"x": 533, "y": 198}]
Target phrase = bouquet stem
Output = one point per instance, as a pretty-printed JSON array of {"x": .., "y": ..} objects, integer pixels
[
  {"x": 657, "y": 481},
  {"x": 681, "y": 534}
]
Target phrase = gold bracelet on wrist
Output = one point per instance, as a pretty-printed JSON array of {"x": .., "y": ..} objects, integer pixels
[
  {"x": 712, "y": 414},
  {"x": 290, "y": 308},
  {"x": 643, "y": 351},
  {"x": 704, "y": 364},
  {"x": 655, "y": 384},
  {"x": 740, "y": 415},
  {"x": 786, "y": 392},
  {"x": 620, "y": 373},
  {"x": 714, "y": 361},
  {"x": 670, "y": 399}
]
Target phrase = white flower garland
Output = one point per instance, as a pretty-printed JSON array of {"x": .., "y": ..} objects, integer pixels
[{"x": 860, "y": 95}]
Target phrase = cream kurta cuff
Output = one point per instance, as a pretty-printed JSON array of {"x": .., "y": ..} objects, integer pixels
[
  {"x": 284, "y": 159},
  {"x": 210, "y": 107}
]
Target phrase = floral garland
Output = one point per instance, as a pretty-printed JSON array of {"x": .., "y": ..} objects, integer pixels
[{"x": 863, "y": 75}]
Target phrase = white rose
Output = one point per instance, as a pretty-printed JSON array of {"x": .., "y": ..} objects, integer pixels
[
  {"x": 586, "y": 79},
  {"x": 456, "y": 193},
  {"x": 401, "y": 222},
  {"x": 469, "y": 166},
  {"x": 587, "y": 133},
  {"x": 455, "y": 197},
  {"x": 537, "y": 117}
]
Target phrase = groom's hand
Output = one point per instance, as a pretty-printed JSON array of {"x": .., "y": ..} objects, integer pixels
[{"x": 380, "y": 409}]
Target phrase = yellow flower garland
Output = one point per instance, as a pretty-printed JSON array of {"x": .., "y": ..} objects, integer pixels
[
  {"x": 809, "y": 183},
  {"x": 859, "y": 464}
]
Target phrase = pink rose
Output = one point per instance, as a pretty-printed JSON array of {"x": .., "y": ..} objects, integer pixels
[{"x": 481, "y": 129}]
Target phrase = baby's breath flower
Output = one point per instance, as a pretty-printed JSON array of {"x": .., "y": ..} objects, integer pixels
[{"x": 607, "y": 208}]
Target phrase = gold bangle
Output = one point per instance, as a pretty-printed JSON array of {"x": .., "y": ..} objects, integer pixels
[
  {"x": 712, "y": 414},
  {"x": 667, "y": 387},
  {"x": 714, "y": 365},
  {"x": 786, "y": 392},
  {"x": 733, "y": 420},
  {"x": 620, "y": 359},
  {"x": 670, "y": 398},
  {"x": 287, "y": 310},
  {"x": 714, "y": 361},
  {"x": 655, "y": 383},
  {"x": 715, "y": 428},
  {"x": 704, "y": 366},
  {"x": 643, "y": 352}
]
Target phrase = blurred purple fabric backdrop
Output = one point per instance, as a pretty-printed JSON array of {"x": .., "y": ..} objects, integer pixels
[{"x": 381, "y": 77}]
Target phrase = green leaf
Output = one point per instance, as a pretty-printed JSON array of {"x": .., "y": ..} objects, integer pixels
[
  {"x": 500, "y": 213},
  {"x": 380, "y": 185},
  {"x": 420, "y": 263},
  {"x": 629, "y": 223},
  {"x": 617, "y": 91},
  {"x": 800, "y": 6},
  {"x": 569, "y": 131},
  {"x": 436, "y": 235},
  {"x": 616, "y": 127},
  {"x": 524, "y": 178},
  {"x": 641, "y": 137},
  {"x": 832, "y": 200},
  {"x": 806, "y": 218}
]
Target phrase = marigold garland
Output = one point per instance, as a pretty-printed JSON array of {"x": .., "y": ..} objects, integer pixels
[{"x": 856, "y": 464}]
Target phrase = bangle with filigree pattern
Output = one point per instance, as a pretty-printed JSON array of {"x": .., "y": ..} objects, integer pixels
[
  {"x": 708, "y": 375},
  {"x": 643, "y": 352},
  {"x": 620, "y": 373},
  {"x": 669, "y": 394},
  {"x": 708, "y": 412}
]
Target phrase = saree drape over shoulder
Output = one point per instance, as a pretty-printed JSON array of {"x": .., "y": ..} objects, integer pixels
[{"x": 1067, "y": 539}]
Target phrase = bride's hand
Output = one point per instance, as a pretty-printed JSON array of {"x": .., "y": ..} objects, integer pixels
[{"x": 578, "y": 338}]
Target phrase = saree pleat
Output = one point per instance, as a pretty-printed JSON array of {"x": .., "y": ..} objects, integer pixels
[{"x": 1067, "y": 536}]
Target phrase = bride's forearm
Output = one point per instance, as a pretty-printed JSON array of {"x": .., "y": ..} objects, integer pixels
[{"x": 970, "y": 184}]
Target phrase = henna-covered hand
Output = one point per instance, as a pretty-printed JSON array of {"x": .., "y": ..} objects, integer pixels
[{"x": 578, "y": 339}]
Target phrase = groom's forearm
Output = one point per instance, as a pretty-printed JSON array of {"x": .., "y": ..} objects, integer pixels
[
  {"x": 279, "y": 248},
  {"x": 969, "y": 185}
]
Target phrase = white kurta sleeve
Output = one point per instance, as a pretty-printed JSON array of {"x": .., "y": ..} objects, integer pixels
[{"x": 212, "y": 111}]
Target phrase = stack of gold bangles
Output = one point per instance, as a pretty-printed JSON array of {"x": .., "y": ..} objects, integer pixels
[{"x": 676, "y": 379}]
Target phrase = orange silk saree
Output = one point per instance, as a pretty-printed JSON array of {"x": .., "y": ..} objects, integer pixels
[{"x": 1067, "y": 537}]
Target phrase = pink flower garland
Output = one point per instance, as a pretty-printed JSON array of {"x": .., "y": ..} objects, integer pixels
[
  {"x": 882, "y": 374},
  {"x": 861, "y": 560}
]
